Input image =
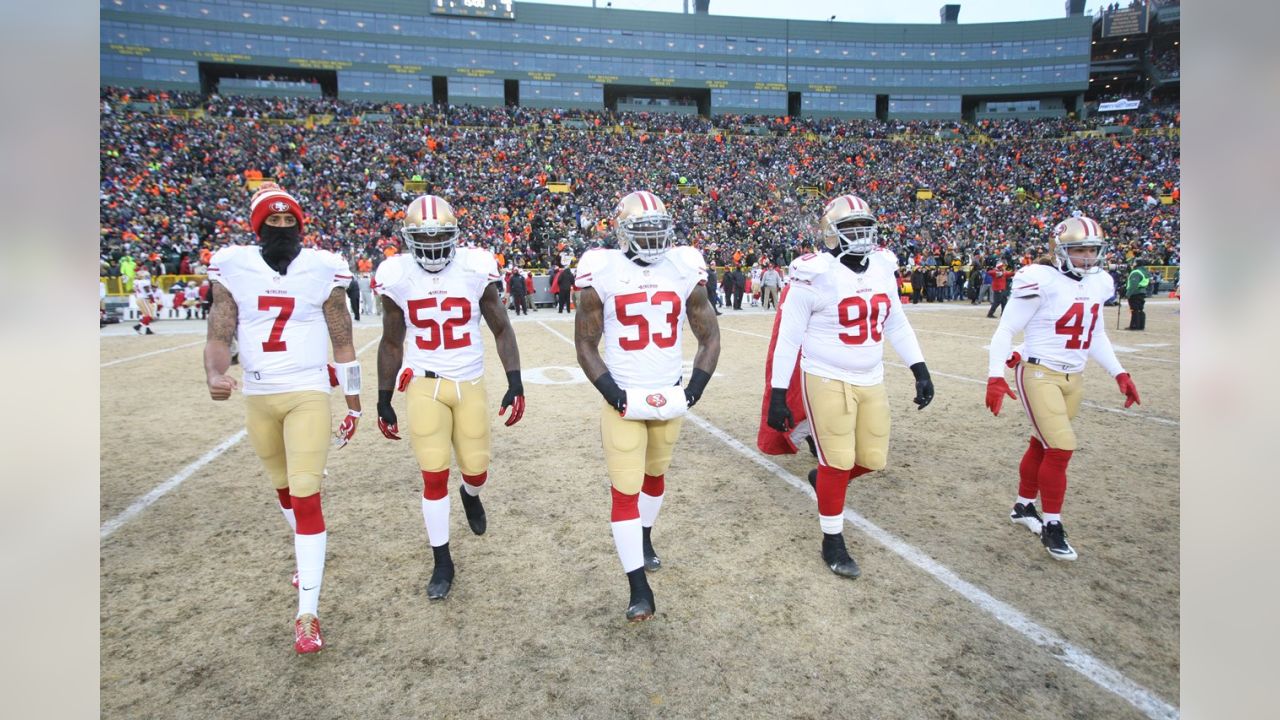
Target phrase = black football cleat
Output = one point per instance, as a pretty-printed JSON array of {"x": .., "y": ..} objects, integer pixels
[
  {"x": 813, "y": 479},
  {"x": 1027, "y": 516},
  {"x": 652, "y": 562},
  {"x": 1054, "y": 538},
  {"x": 837, "y": 557},
  {"x": 641, "y": 607},
  {"x": 475, "y": 511},
  {"x": 441, "y": 575}
]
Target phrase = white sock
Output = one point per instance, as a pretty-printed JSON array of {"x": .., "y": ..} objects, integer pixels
[
  {"x": 1052, "y": 517},
  {"x": 435, "y": 514},
  {"x": 831, "y": 524},
  {"x": 649, "y": 507},
  {"x": 628, "y": 539},
  {"x": 289, "y": 518},
  {"x": 1025, "y": 501},
  {"x": 310, "y": 553},
  {"x": 472, "y": 490}
]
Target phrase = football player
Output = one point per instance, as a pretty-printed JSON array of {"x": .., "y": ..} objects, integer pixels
[
  {"x": 1057, "y": 303},
  {"x": 435, "y": 295},
  {"x": 637, "y": 298},
  {"x": 145, "y": 297},
  {"x": 839, "y": 308},
  {"x": 278, "y": 299}
]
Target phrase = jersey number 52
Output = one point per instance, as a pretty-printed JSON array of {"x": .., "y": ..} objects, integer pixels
[{"x": 431, "y": 338}]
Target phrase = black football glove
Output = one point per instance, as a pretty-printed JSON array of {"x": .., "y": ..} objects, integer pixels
[
  {"x": 697, "y": 383},
  {"x": 387, "y": 415},
  {"x": 924, "y": 386},
  {"x": 613, "y": 394},
  {"x": 779, "y": 414},
  {"x": 514, "y": 398}
]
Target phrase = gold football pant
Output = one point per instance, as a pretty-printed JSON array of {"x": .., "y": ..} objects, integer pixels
[
  {"x": 1051, "y": 400},
  {"x": 635, "y": 448},
  {"x": 446, "y": 414},
  {"x": 290, "y": 433},
  {"x": 850, "y": 422}
]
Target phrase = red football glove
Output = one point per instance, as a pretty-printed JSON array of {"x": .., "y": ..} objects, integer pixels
[
  {"x": 517, "y": 410},
  {"x": 348, "y": 428},
  {"x": 1013, "y": 360},
  {"x": 997, "y": 388},
  {"x": 333, "y": 375},
  {"x": 1128, "y": 388},
  {"x": 405, "y": 376}
]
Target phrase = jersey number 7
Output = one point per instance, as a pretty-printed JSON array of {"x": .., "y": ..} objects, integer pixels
[{"x": 274, "y": 343}]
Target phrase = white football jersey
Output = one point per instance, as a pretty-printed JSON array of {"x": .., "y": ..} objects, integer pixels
[
  {"x": 282, "y": 333},
  {"x": 644, "y": 312},
  {"x": 441, "y": 310},
  {"x": 839, "y": 320},
  {"x": 1063, "y": 328}
]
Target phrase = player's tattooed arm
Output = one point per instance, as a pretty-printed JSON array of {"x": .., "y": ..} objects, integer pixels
[
  {"x": 339, "y": 322},
  {"x": 588, "y": 326},
  {"x": 391, "y": 348},
  {"x": 223, "y": 317},
  {"x": 702, "y": 320},
  {"x": 504, "y": 336}
]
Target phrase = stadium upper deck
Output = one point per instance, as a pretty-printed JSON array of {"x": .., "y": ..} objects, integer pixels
[{"x": 555, "y": 56}]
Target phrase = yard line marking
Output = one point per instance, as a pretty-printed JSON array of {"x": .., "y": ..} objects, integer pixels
[
  {"x": 149, "y": 354},
  {"x": 962, "y": 378},
  {"x": 1095, "y": 670},
  {"x": 160, "y": 490},
  {"x": 163, "y": 488}
]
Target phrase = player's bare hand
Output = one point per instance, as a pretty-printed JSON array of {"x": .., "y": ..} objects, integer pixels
[{"x": 220, "y": 386}]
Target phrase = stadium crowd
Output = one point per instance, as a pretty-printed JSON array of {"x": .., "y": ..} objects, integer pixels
[{"x": 173, "y": 190}]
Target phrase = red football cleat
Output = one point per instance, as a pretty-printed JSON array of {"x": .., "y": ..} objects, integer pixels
[{"x": 306, "y": 635}]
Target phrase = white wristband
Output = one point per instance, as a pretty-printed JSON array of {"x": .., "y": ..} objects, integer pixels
[
  {"x": 348, "y": 377},
  {"x": 353, "y": 413}
]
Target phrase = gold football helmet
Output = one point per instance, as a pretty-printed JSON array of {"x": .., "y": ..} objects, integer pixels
[
  {"x": 430, "y": 231},
  {"x": 848, "y": 223},
  {"x": 1078, "y": 231},
  {"x": 644, "y": 226}
]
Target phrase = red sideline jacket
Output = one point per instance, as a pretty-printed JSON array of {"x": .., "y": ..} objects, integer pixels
[{"x": 770, "y": 441}]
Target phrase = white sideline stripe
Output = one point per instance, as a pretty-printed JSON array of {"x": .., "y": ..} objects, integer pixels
[
  {"x": 163, "y": 488},
  {"x": 160, "y": 490},
  {"x": 975, "y": 337},
  {"x": 1101, "y": 674},
  {"x": 149, "y": 354},
  {"x": 1086, "y": 403}
]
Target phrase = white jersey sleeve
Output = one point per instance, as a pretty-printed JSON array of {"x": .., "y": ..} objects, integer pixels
[
  {"x": 592, "y": 261},
  {"x": 690, "y": 267}
]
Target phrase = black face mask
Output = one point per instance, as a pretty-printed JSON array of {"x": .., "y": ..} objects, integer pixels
[{"x": 280, "y": 245}]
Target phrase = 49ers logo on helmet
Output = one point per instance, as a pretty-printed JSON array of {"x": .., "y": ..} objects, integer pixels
[
  {"x": 279, "y": 206},
  {"x": 656, "y": 400}
]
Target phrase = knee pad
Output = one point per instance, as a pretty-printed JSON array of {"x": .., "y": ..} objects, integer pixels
[
  {"x": 625, "y": 506},
  {"x": 435, "y": 484}
]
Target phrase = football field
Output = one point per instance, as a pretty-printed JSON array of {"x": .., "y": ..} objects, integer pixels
[{"x": 958, "y": 613}]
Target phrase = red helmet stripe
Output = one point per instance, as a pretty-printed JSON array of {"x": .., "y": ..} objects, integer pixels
[
  {"x": 434, "y": 214},
  {"x": 644, "y": 204},
  {"x": 849, "y": 199}
]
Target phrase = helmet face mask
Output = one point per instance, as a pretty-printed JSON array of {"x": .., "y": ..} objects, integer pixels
[
  {"x": 1077, "y": 232},
  {"x": 644, "y": 227},
  {"x": 430, "y": 232},
  {"x": 849, "y": 227}
]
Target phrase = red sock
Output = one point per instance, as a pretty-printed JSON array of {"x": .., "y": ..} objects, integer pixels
[
  {"x": 310, "y": 518},
  {"x": 475, "y": 480},
  {"x": 832, "y": 484},
  {"x": 625, "y": 507},
  {"x": 283, "y": 494},
  {"x": 435, "y": 484},
  {"x": 146, "y": 320},
  {"x": 1053, "y": 479},
  {"x": 654, "y": 485},
  {"x": 1029, "y": 470},
  {"x": 858, "y": 471}
]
